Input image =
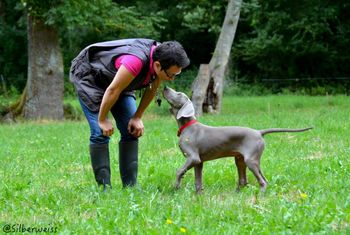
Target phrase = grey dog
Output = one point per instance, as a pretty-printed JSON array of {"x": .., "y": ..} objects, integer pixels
[{"x": 200, "y": 143}]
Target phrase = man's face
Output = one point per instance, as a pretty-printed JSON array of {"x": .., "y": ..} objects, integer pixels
[
  {"x": 167, "y": 74},
  {"x": 171, "y": 72}
]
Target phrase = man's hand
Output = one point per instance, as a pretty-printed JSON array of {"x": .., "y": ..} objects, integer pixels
[
  {"x": 121, "y": 80},
  {"x": 106, "y": 127},
  {"x": 136, "y": 127}
]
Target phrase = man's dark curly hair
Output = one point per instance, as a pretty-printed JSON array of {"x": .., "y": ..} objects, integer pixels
[{"x": 171, "y": 53}]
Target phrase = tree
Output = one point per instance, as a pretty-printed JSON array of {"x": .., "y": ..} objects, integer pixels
[
  {"x": 208, "y": 86},
  {"x": 44, "y": 89},
  {"x": 42, "y": 97}
]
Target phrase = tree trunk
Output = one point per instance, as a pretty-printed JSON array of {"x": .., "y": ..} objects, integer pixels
[
  {"x": 45, "y": 83},
  {"x": 200, "y": 85},
  {"x": 219, "y": 61}
]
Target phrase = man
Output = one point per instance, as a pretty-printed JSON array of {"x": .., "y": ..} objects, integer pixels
[{"x": 105, "y": 76}]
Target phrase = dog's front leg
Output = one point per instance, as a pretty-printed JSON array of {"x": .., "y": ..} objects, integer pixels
[
  {"x": 198, "y": 177},
  {"x": 191, "y": 160}
]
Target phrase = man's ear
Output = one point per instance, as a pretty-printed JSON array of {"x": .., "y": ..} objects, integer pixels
[{"x": 156, "y": 66}]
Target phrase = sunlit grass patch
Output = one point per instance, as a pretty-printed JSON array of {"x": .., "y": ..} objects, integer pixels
[{"x": 46, "y": 176}]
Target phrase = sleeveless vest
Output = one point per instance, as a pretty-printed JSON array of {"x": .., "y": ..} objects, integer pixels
[{"x": 93, "y": 69}]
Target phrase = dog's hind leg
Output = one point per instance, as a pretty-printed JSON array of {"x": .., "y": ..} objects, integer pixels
[
  {"x": 241, "y": 169},
  {"x": 198, "y": 177},
  {"x": 253, "y": 163}
]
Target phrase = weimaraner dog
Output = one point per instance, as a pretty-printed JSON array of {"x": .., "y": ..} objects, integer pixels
[{"x": 200, "y": 143}]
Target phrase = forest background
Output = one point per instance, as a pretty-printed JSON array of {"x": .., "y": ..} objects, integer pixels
[{"x": 299, "y": 46}]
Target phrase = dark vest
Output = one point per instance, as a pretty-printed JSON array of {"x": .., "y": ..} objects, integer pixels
[{"x": 93, "y": 69}]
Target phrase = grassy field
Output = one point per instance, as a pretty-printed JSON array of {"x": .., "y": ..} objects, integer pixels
[{"x": 47, "y": 181}]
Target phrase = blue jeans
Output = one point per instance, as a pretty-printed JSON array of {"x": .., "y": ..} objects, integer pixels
[{"x": 122, "y": 111}]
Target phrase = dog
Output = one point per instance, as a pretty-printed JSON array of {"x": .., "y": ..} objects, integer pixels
[{"x": 200, "y": 143}]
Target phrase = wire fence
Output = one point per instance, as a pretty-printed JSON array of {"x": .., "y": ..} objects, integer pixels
[
  {"x": 184, "y": 83},
  {"x": 341, "y": 84},
  {"x": 305, "y": 79},
  {"x": 312, "y": 86}
]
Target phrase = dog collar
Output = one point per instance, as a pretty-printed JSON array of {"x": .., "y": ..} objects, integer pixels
[{"x": 193, "y": 121}]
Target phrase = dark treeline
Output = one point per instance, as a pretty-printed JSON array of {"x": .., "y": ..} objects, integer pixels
[{"x": 275, "y": 39}]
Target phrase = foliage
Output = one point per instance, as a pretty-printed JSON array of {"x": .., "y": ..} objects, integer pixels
[
  {"x": 39, "y": 9},
  {"x": 47, "y": 178},
  {"x": 274, "y": 39},
  {"x": 202, "y": 17},
  {"x": 13, "y": 50},
  {"x": 80, "y": 23},
  {"x": 283, "y": 39},
  {"x": 199, "y": 29},
  {"x": 313, "y": 87},
  {"x": 195, "y": 23}
]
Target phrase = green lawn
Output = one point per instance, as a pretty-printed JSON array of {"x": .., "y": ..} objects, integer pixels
[{"x": 47, "y": 181}]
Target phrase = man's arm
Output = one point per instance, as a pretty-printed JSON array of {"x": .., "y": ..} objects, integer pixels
[
  {"x": 121, "y": 80},
  {"x": 135, "y": 126},
  {"x": 147, "y": 98}
]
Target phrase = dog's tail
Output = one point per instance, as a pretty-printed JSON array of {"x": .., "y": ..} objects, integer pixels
[{"x": 272, "y": 130}]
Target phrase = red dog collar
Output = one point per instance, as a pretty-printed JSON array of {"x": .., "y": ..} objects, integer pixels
[{"x": 186, "y": 125}]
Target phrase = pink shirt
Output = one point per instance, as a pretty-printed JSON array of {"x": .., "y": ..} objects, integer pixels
[{"x": 134, "y": 65}]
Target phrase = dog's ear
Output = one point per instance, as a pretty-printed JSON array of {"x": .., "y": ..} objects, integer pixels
[{"x": 187, "y": 110}]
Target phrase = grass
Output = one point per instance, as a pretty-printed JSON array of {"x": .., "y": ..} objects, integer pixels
[{"x": 47, "y": 181}]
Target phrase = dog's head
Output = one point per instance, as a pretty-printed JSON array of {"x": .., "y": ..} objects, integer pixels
[{"x": 181, "y": 105}]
